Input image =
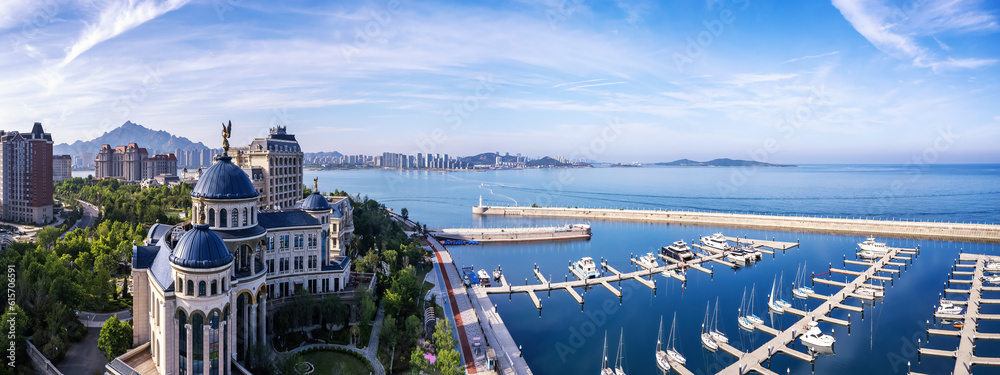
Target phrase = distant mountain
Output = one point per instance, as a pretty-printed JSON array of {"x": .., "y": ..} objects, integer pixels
[
  {"x": 487, "y": 158},
  {"x": 548, "y": 162},
  {"x": 155, "y": 141},
  {"x": 719, "y": 163}
]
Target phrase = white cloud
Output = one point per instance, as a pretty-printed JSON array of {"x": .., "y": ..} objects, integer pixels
[
  {"x": 116, "y": 18},
  {"x": 811, "y": 57}
]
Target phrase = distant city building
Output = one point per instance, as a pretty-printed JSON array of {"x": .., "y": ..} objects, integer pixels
[
  {"x": 132, "y": 163},
  {"x": 62, "y": 167},
  {"x": 26, "y": 175},
  {"x": 274, "y": 164}
]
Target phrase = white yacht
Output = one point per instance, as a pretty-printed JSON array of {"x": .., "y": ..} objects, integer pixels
[
  {"x": 648, "y": 261},
  {"x": 995, "y": 279},
  {"x": 992, "y": 266},
  {"x": 744, "y": 323},
  {"x": 679, "y": 251},
  {"x": 706, "y": 337},
  {"x": 753, "y": 318},
  {"x": 803, "y": 291},
  {"x": 716, "y": 241},
  {"x": 604, "y": 358},
  {"x": 948, "y": 308},
  {"x": 771, "y": 304},
  {"x": 717, "y": 335},
  {"x": 870, "y": 290},
  {"x": 815, "y": 337},
  {"x": 877, "y": 248},
  {"x": 661, "y": 356},
  {"x": 618, "y": 361},
  {"x": 586, "y": 267},
  {"x": 672, "y": 351},
  {"x": 737, "y": 255}
]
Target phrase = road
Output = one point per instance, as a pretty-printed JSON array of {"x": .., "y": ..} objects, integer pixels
[{"x": 88, "y": 219}]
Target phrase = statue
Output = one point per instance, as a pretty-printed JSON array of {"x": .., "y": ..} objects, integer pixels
[
  {"x": 315, "y": 184},
  {"x": 226, "y": 131},
  {"x": 201, "y": 209}
]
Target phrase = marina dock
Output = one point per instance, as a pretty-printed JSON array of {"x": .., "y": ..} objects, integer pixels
[
  {"x": 977, "y": 233},
  {"x": 964, "y": 355},
  {"x": 565, "y": 232}
]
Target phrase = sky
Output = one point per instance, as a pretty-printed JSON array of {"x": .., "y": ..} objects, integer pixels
[{"x": 847, "y": 81}]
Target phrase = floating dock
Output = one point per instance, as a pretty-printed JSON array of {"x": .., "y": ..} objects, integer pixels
[
  {"x": 964, "y": 355},
  {"x": 566, "y": 232},
  {"x": 978, "y": 233}
]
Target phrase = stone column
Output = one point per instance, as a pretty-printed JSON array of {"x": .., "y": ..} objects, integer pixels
[
  {"x": 262, "y": 322},
  {"x": 223, "y": 346},
  {"x": 173, "y": 367},
  {"x": 190, "y": 350},
  {"x": 205, "y": 348},
  {"x": 252, "y": 324},
  {"x": 244, "y": 328}
]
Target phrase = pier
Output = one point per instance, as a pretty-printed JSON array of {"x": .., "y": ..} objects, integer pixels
[
  {"x": 566, "y": 232},
  {"x": 978, "y": 233},
  {"x": 964, "y": 355}
]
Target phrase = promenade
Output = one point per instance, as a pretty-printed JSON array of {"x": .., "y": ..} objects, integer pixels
[{"x": 984, "y": 233}]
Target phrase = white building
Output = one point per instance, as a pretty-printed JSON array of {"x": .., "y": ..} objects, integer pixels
[{"x": 201, "y": 291}]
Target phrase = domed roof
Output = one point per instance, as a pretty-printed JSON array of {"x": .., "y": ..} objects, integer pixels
[
  {"x": 224, "y": 180},
  {"x": 200, "y": 247},
  {"x": 315, "y": 202}
]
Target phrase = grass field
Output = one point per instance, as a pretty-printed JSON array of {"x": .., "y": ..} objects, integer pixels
[{"x": 335, "y": 363}]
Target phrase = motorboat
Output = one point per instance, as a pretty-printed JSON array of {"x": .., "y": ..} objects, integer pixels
[
  {"x": 716, "y": 242},
  {"x": 672, "y": 351},
  {"x": 484, "y": 278},
  {"x": 648, "y": 261},
  {"x": 751, "y": 252},
  {"x": 737, "y": 255},
  {"x": 992, "y": 266},
  {"x": 867, "y": 290},
  {"x": 496, "y": 274},
  {"x": 661, "y": 356},
  {"x": 868, "y": 255},
  {"x": 948, "y": 308},
  {"x": 586, "y": 267},
  {"x": 995, "y": 279},
  {"x": 706, "y": 337},
  {"x": 877, "y": 248},
  {"x": 815, "y": 337},
  {"x": 678, "y": 251}
]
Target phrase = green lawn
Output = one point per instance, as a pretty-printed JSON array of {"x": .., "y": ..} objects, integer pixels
[{"x": 335, "y": 363}]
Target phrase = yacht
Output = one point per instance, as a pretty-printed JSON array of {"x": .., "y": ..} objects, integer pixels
[
  {"x": 752, "y": 254},
  {"x": 706, "y": 337},
  {"x": 679, "y": 251},
  {"x": 815, "y": 337},
  {"x": 995, "y": 279},
  {"x": 648, "y": 261},
  {"x": 586, "y": 267},
  {"x": 618, "y": 361},
  {"x": 803, "y": 291},
  {"x": 771, "y": 304},
  {"x": 604, "y": 358},
  {"x": 715, "y": 242},
  {"x": 870, "y": 290},
  {"x": 868, "y": 255},
  {"x": 742, "y": 319},
  {"x": 753, "y": 318},
  {"x": 992, "y": 266},
  {"x": 672, "y": 352},
  {"x": 717, "y": 335},
  {"x": 877, "y": 248},
  {"x": 484, "y": 278},
  {"x": 737, "y": 255},
  {"x": 661, "y": 356},
  {"x": 948, "y": 308}
]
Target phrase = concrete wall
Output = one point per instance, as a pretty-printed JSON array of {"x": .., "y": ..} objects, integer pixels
[
  {"x": 42, "y": 364},
  {"x": 984, "y": 233}
]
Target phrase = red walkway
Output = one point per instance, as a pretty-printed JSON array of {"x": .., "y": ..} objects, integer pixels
[{"x": 470, "y": 362}]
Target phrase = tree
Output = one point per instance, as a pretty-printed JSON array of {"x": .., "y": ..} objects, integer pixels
[
  {"x": 48, "y": 236},
  {"x": 404, "y": 293},
  {"x": 404, "y": 213},
  {"x": 418, "y": 363},
  {"x": 389, "y": 333},
  {"x": 414, "y": 329},
  {"x": 443, "y": 338},
  {"x": 16, "y": 323},
  {"x": 367, "y": 309},
  {"x": 115, "y": 339},
  {"x": 449, "y": 362}
]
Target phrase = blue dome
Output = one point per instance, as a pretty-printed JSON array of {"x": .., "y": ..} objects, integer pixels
[
  {"x": 315, "y": 202},
  {"x": 224, "y": 180},
  {"x": 200, "y": 247}
]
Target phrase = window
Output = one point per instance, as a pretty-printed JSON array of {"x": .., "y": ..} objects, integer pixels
[
  {"x": 312, "y": 261},
  {"x": 198, "y": 344},
  {"x": 236, "y": 217},
  {"x": 201, "y": 289},
  {"x": 284, "y": 241},
  {"x": 298, "y": 263},
  {"x": 246, "y": 216},
  {"x": 213, "y": 343},
  {"x": 222, "y": 218},
  {"x": 283, "y": 264},
  {"x": 215, "y": 289},
  {"x": 270, "y": 266},
  {"x": 190, "y": 288},
  {"x": 326, "y": 285},
  {"x": 299, "y": 241},
  {"x": 223, "y": 290},
  {"x": 182, "y": 340},
  {"x": 211, "y": 217},
  {"x": 312, "y": 240},
  {"x": 180, "y": 285},
  {"x": 270, "y": 242},
  {"x": 312, "y": 286},
  {"x": 253, "y": 216}
]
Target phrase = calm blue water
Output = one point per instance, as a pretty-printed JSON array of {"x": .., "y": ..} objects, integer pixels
[{"x": 567, "y": 339}]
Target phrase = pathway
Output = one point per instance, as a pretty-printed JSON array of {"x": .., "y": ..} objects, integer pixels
[
  {"x": 370, "y": 352},
  {"x": 91, "y": 319}
]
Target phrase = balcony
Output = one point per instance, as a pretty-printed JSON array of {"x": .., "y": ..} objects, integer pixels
[{"x": 244, "y": 272}]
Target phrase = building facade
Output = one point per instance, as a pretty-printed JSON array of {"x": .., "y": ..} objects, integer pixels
[
  {"x": 62, "y": 167},
  {"x": 159, "y": 165},
  {"x": 26, "y": 175},
  {"x": 132, "y": 163},
  {"x": 275, "y": 164},
  {"x": 202, "y": 291}
]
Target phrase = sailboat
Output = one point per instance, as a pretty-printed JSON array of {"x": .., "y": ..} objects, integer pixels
[
  {"x": 780, "y": 300},
  {"x": 618, "y": 361},
  {"x": 771, "y": 303},
  {"x": 717, "y": 335},
  {"x": 672, "y": 352},
  {"x": 742, "y": 319},
  {"x": 706, "y": 337},
  {"x": 661, "y": 356},
  {"x": 604, "y": 358},
  {"x": 802, "y": 291},
  {"x": 753, "y": 318}
]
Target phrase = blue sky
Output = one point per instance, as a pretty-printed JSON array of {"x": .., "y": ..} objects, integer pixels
[{"x": 846, "y": 81}]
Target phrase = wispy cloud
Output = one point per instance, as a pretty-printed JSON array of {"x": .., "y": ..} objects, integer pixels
[
  {"x": 810, "y": 57},
  {"x": 579, "y": 82},
  {"x": 593, "y": 85},
  {"x": 116, "y": 18}
]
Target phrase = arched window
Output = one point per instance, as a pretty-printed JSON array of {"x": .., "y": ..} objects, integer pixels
[
  {"x": 201, "y": 289},
  {"x": 246, "y": 216},
  {"x": 213, "y": 343},
  {"x": 215, "y": 285},
  {"x": 182, "y": 340},
  {"x": 198, "y": 344},
  {"x": 211, "y": 217},
  {"x": 222, "y": 218},
  {"x": 225, "y": 335},
  {"x": 223, "y": 290},
  {"x": 253, "y": 216},
  {"x": 190, "y": 288},
  {"x": 236, "y": 217},
  {"x": 180, "y": 285}
]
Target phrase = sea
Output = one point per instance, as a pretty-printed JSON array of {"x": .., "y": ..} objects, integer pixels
[{"x": 567, "y": 338}]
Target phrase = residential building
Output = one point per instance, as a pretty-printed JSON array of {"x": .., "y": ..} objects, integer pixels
[
  {"x": 26, "y": 175},
  {"x": 157, "y": 165},
  {"x": 132, "y": 163},
  {"x": 62, "y": 167},
  {"x": 275, "y": 165}
]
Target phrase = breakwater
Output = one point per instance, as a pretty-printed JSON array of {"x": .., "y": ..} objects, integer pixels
[{"x": 983, "y": 233}]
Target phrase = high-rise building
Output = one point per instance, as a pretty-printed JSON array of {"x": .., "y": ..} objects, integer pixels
[
  {"x": 132, "y": 163},
  {"x": 62, "y": 167},
  {"x": 279, "y": 159},
  {"x": 26, "y": 175},
  {"x": 158, "y": 165}
]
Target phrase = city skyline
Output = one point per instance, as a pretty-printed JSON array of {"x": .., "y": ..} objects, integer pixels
[{"x": 876, "y": 82}]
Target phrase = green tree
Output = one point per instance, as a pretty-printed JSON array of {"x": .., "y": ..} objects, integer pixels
[
  {"x": 368, "y": 309},
  {"x": 443, "y": 338},
  {"x": 389, "y": 333},
  {"x": 16, "y": 324},
  {"x": 115, "y": 339},
  {"x": 404, "y": 213},
  {"x": 448, "y": 362},
  {"x": 402, "y": 297},
  {"x": 48, "y": 236},
  {"x": 414, "y": 329},
  {"x": 418, "y": 363}
]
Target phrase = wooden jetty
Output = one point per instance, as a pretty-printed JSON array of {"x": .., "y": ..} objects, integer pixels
[{"x": 964, "y": 355}]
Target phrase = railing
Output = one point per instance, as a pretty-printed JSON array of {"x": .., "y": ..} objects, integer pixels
[{"x": 41, "y": 363}]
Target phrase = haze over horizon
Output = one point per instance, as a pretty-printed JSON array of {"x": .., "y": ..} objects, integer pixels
[{"x": 787, "y": 82}]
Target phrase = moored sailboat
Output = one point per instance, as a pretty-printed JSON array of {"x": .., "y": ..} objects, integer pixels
[{"x": 661, "y": 356}]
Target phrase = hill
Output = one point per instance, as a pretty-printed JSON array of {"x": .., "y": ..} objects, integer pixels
[
  {"x": 719, "y": 163},
  {"x": 489, "y": 158},
  {"x": 156, "y": 141},
  {"x": 548, "y": 162}
]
